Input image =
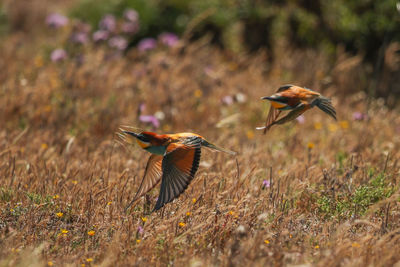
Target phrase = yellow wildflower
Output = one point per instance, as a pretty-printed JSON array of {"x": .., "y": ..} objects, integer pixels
[
  {"x": 318, "y": 126},
  {"x": 44, "y": 146},
  {"x": 355, "y": 245},
  {"x": 12, "y": 210},
  {"x": 38, "y": 61},
  {"x": 64, "y": 231},
  {"x": 47, "y": 108},
  {"x": 332, "y": 127},
  {"x": 188, "y": 213},
  {"x": 290, "y": 236},
  {"x": 56, "y": 197},
  {"x": 194, "y": 200},
  {"x": 310, "y": 145},
  {"x": 344, "y": 124},
  {"x": 49, "y": 263},
  {"x": 198, "y": 93},
  {"x": 316, "y": 247},
  {"x": 266, "y": 241},
  {"x": 83, "y": 265},
  {"x": 250, "y": 134},
  {"x": 59, "y": 214},
  {"x": 231, "y": 213},
  {"x": 89, "y": 259},
  {"x": 138, "y": 241},
  {"x": 74, "y": 182},
  {"x": 144, "y": 219},
  {"x": 182, "y": 224},
  {"x": 109, "y": 203},
  {"x": 91, "y": 233}
]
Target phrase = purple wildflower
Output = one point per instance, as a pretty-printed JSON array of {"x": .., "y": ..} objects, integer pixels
[
  {"x": 266, "y": 184},
  {"x": 118, "y": 42},
  {"x": 142, "y": 107},
  {"x": 140, "y": 230},
  {"x": 131, "y": 15},
  {"x": 58, "y": 55},
  {"x": 83, "y": 27},
  {"x": 130, "y": 27},
  {"x": 100, "y": 35},
  {"x": 168, "y": 39},
  {"x": 108, "y": 23},
  {"x": 147, "y": 44},
  {"x": 56, "y": 20},
  {"x": 358, "y": 116},
  {"x": 150, "y": 119},
  {"x": 227, "y": 100},
  {"x": 79, "y": 38},
  {"x": 300, "y": 119}
]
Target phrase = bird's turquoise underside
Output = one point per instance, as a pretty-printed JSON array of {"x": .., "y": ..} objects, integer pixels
[{"x": 159, "y": 150}]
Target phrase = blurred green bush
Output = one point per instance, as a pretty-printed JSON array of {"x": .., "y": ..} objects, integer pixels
[{"x": 361, "y": 25}]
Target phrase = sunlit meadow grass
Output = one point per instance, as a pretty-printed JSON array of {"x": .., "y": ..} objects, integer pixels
[{"x": 315, "y": 191}]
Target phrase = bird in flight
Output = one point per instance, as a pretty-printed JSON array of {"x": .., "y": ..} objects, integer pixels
[
  {"x": 174, "y": 161},
  {"x": 297, "y": 100}
]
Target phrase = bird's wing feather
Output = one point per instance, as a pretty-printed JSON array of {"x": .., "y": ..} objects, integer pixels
[
  {"x": 179, "y": 166},
  {"x": 273, "y": 115},
  {"x": 151, "y": 177},
  {"x": 300, "y": 109},
  {"x": 325, "y": 105}
]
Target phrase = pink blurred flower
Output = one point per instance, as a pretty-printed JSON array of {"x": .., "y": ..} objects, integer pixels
[
  {"x": 79, "y": 38},
  {"x": 140, "y": 229},
  {"x": 147, "y": 44},
  {"x": 168, "y": 39},
  {"x": 300, "y": 119},
  {"x": 150, "y": 119},
  {"x": 358, "y": 116},
  {"x": 118, "y": 42},
  {"x": 58, "y": 55},
  {"x": 56, "y": 20},
  {"x": 131, "y": 15},
  {"x": 83, "y": 27},
  {"x": 142, "y": 107},
  {"x": 108, "y": 23},
  {"x": 227, "y": 100},
  {"x": 266, "y": 184},
  {"x": 130, "y": 27},
  {"x": 100, "y": 35}
]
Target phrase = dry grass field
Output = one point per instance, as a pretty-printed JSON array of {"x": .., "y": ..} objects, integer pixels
[{"x": 311, "y": 192}]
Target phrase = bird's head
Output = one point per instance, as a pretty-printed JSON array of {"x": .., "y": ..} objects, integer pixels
[{"x": 147, "y": 140}]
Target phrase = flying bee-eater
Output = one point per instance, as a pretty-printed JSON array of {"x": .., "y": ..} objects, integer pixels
[
  {"x": 297, "y": 100},
  {"x": 174, "y": 161}
]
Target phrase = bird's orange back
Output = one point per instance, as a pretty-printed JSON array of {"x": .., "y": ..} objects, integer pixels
[
  {"x": 157, "y": 139},
  {"x": 178, "y": 136},
  {"x": 296, "y": 93}
]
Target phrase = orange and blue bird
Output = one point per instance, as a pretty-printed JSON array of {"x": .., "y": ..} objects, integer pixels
[
  {"x": 297, "y": 100},
  {"x": 174, "y": 161}
]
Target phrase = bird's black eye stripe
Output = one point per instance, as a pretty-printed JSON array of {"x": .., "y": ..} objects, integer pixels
[{"x": 143, "y": 138}]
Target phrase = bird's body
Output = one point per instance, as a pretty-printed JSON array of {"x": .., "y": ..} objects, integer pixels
[
  {"x": 297, "y": 100},
  {"x": 174, "y": 161}
]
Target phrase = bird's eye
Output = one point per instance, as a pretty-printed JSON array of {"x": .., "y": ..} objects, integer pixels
[{"x": 143, "y": 138}]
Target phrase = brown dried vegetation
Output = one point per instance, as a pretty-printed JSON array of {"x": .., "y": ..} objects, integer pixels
[{"x": 333, "y": 197}]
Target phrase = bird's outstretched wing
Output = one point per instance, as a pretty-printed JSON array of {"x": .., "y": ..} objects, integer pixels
[
  {"x": 151, "y": 178},
  {"x": 297, "y": 111},
  {"x": 179, "y": 166},
  {"x": 325, "y": 105},
  {"x": 273, "y": 115}
]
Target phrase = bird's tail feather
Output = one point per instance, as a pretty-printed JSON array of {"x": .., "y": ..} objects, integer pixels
[
  {"x": 212, "y": 146},
  {"x": 325, "y": 105}
]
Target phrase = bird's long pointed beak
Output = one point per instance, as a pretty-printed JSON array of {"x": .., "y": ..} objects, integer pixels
[
  {"x": 131, "y": 133},
  {"x": 267, "y": 98},
  {"x": 127, "y": 136}
]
